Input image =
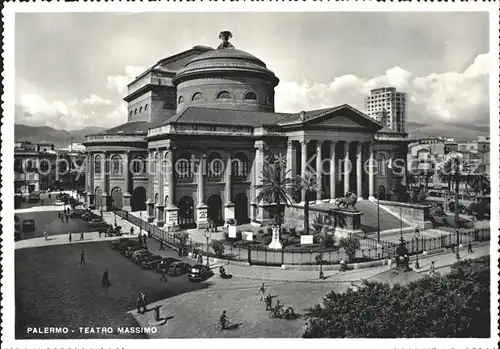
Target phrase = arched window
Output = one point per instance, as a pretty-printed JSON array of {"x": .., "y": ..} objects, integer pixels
[
  {"x": 116, "y": 165},
  {"x": 239, "y": 165},
  {"x": 198, "y": 96},
  {"x": 224, "y": 95},
  {"x": 250, "y": 96},
  {"x": 140, "y": 110},
  {"x": 145, "y": 107},
  {"x": 135, "y": 111},
  {"x": 138, "y": 165},
  {"x": 181, "y": 100},
  {"x": 215, "y": 166},
  {"x": 98, "y": 165},
  {"x": 184, "y": 167},
  {"x": 130, "y": 113}
]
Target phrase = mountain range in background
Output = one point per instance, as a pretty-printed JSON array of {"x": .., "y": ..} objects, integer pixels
[
  {"x": 62, "y": 138},
  {"x": 46, "y": 134}
]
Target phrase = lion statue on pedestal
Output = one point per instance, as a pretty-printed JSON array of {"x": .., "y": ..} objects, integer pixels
[{"x": 349, "y": 201}]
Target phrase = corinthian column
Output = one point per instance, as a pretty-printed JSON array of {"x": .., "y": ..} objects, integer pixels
[
  {"x": 319, "y": 174},
  {"x": 347, "y": 167},
  {"x": 370, "y": 172},
  {"x": 303, "y": 160},
  {"x": 359, "y": 171},
  {"x": 333, "y": 171}
]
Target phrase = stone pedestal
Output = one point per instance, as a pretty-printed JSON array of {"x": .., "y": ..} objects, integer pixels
[
  {"x": 202, "y": 216},
  {"x": 151, "y": 211},
  {"x": 275, "y": 243},
  {"x": 106, "y": 202},
  {"x": 126, "y": 202},
  {"x": 160, "y": 215},
  {"x": 91, "y": 201},
  {"x": 229, "y": 211},
  {"x": 350, "y": 222},
  {"x": 172, "y": 218}
]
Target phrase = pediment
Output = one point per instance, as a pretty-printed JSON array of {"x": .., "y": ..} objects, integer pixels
[{"x": 345, "y": 116}]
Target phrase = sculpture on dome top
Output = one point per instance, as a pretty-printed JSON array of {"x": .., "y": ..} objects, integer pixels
[{"x": 225, "y": 36}]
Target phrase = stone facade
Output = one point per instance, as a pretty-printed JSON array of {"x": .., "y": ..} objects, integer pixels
[{"x": 205, "y": 155}]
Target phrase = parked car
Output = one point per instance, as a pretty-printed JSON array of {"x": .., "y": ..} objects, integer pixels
[
  {"x": 124, "y": 246},
  {"x": 58, "y": 203},
  {"x": 131, "y": 249},
  {"x": 151, "y": 258},
  {"x": 34, "y": 197},
  {"x": 200, "y": 272},
  {"x": 153, "y": 264},
  {"x": 178, "y": 268},
  {"x": 98, "y": 223},
  {"x": 115, "y": 243},
  {"x": 137, "y": 257},
  {"x": 165, "y": 263},
  {"x": 28, "y": 225}
]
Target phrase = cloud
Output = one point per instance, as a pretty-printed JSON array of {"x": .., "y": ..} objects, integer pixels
[
  {"x": 35, "y": 110},
  {"x": 119, "y": 83},
  {"x": 459, "y": 97},
  {"x": 96, "y": 100}
]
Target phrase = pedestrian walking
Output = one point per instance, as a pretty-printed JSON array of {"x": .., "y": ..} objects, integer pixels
[
  {"x": 200, "y": 258},
  {"x": 105, "y": 279},
  {"x": 469, "y": 250},
  {"x": 46, "y": 235},
  {"x": 82, "y": 258},
  {"x": 161, "y": 245},
  {"x": 131, "y": 230},
  {"x": 144, "y": 300},
  {"x": 163, "y": 275},
  {"x": 81, "y": 235},
  {"x": 389, "y": 262},
  {"x": 433, "y": 269},
  {"x": 100, "y": 233},
  {"x": 261, "y": 292},
  {"x": 342, "y": 264},
  {"x": 67, "y": 218},
  {"x": 149, "y": 234},
  {"x": 70, "y": 237},
  {"x": 269, "y": 301}
]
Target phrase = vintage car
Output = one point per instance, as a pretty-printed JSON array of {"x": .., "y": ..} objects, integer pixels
[{"x": 28, "y": 225}]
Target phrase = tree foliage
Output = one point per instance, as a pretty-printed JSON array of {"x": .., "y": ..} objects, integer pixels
[
  {"x": 454, "y": 305},
  {"x": 350, "y": 244},
  {"x": 307, "y": 182}
]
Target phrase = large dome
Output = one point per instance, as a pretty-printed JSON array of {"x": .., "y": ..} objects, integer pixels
[{"x": 226, "y": 78}]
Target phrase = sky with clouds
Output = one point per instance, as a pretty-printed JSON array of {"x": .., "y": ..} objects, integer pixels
[{"x": 72, "y": 69}]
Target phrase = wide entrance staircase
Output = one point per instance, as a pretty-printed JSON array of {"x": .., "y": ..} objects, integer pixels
[{"x": 369, "y": 218}]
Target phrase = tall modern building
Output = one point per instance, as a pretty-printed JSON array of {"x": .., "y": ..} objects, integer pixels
[{"x": 388, "y": 107}]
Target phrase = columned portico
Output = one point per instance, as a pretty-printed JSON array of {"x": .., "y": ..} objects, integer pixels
[{"x": 106, "y": 195}]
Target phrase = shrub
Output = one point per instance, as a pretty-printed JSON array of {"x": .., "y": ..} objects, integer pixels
[
  {"x": 260, "y": 232},
  {"x": 218, "y": 247},
  {"x": 350, "y": 245},
  {"x": 329, "y": 241},
  {"x": 454, "y": 305},
  {"x": 181, "y": 238},
  {"x": 293, "y": 231}
]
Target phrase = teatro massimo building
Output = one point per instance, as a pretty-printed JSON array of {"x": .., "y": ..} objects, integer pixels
[{"x": 203, "y": 121}]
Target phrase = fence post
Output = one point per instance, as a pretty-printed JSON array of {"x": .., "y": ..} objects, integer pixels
[
  {"x": 282, "y": 256},
  {"x": 249, "y": 255}
]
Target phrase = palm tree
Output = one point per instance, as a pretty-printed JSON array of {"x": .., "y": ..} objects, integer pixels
[
  {"x": 275, "y": 187},
  {"x": 411, "y": 180},
  {"x": 479, "y": 182},
  {"x": 455, "y": 169},
  {"x": 307, "y": 184}
]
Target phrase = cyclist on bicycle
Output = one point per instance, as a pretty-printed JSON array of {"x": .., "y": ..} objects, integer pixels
[
  {"x": 224, "y": 319},
  {"x": 278, "y": 308}
]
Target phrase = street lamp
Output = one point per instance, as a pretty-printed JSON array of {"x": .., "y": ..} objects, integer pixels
[
  {"x": 207, "y": 235},
  {"x": 417, "y": 235}
]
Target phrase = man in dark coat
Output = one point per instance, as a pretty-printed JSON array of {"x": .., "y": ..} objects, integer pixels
[{"x": 105, "y": 279}]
